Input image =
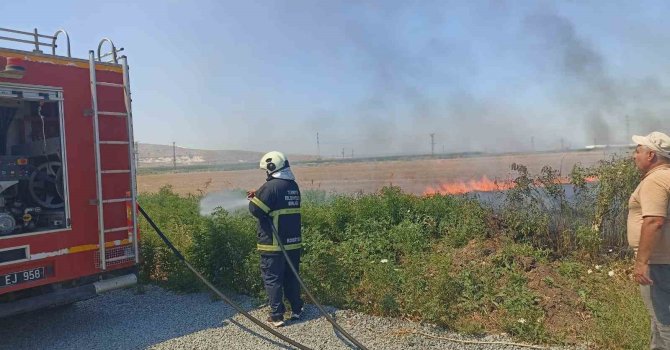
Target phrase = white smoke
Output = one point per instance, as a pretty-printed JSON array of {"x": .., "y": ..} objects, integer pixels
[{"x": 230, "y": 201}]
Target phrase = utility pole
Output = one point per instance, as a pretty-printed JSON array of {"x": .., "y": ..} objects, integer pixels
[
  {"x": 318, "y": 147},
  {"x": 342, "y": 152},
  {"x": 352, "y": 153},
  {"x": 174, "y": 157},
  {"x": 432, "y": 144}
]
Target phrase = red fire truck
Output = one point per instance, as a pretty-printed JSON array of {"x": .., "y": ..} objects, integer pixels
[{"x": 67, "y": 173}]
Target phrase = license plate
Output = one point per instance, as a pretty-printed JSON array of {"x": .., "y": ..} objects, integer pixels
[{"x": 13, "y": 278}]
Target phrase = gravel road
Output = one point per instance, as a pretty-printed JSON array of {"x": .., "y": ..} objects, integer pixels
[{"x": 161, "y": 320}]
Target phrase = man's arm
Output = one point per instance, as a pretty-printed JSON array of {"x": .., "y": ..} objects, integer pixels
[
  {"x": 652, "y": 228},
  {"x": 259, "y": 203}
]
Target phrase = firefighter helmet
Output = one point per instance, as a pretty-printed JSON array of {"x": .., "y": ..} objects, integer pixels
[{"x": 273, "y": 161}]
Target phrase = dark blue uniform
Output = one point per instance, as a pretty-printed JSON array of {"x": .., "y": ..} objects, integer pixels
[{"x": 277, "y": 203}]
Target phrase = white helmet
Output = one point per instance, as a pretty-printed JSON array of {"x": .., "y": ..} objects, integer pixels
[{"x": 273, "y": 161}]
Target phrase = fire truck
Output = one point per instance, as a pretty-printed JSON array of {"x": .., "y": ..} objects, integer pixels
[{"x": 68, "y": 228}]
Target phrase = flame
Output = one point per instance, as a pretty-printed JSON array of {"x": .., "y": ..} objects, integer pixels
[
  {"x": 483, "y": 185},
  {"x": 591, "y": 179},
  {"x": 461, "y": 187}
]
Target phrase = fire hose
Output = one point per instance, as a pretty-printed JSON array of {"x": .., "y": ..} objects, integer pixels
[
  {"x": 225, "y": 298},
  {"x": 259, "y": 323},
  {"x": 239, "y": 308}
]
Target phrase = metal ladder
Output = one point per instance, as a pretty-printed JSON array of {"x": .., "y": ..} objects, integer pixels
[{"x": 99, "y": 172}]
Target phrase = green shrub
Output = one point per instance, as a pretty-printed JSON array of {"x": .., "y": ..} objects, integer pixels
[
  {"x": 222, "y": 248},
  {"x": 179, "y": 218}
]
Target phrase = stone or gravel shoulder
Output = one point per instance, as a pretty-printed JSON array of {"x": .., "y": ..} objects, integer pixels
[{"x": 160, "y": 319}]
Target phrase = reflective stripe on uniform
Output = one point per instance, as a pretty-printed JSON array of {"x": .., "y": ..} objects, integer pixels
[
  {"x": 275, "y": 219},
  {"x": 275, "y": 214},
  {"x": 260, "y": 204},
  {"x": 285, "y": 211},
  {"x": 276, "y": 248}
]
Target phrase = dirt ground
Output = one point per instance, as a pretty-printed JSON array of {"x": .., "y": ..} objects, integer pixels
[
  {"x": 564, "y": 313},
  {"x": 413, "y": 176}
]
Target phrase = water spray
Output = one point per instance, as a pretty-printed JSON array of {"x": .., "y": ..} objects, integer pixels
[{"x": 230, "y": 201}]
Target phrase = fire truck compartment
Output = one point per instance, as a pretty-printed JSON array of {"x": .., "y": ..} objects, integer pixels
[{"x": 33, "y": 193}]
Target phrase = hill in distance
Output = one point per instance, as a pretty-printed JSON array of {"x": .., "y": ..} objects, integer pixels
[{"x": 152, "y": 155}]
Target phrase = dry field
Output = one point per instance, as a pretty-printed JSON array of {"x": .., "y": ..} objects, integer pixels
[{"x": 413, "y": 176}]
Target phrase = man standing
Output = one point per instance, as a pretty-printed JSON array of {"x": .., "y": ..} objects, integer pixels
[
  {"x": 276, "y": 205},
  {"x": 649, "y": 234}
]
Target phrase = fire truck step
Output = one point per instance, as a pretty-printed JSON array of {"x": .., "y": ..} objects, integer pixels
[
  {"x": 116, "y": 229},
  {"x": 115, "y": 171},
  {"x": 114, "y": 142},
  {"x": 118, "y": 258},
  {"x": 115, "y": 200},
  {"x": 103, "y": 83},
  {"x": 116, "y": 114}
]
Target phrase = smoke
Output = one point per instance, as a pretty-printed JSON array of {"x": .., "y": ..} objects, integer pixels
[
  {"x": 598, "y": 128},
  {"x": 231, "y": 201},
  {"x": 428, "y": 83},
  {"x": 431, "y": 86},
  {"x": 402, "y": 106},
  {"x": 595, "y": 98},
  {"x": 378, "y": 77}
]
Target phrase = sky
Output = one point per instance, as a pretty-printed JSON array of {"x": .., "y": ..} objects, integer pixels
[{"x": 378, "y": 77}]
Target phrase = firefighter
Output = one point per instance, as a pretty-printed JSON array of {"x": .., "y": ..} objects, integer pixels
[{"x": 276, "y": 205}]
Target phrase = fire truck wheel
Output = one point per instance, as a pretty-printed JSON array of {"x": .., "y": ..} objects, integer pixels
[{"x": 45, "y": 185}]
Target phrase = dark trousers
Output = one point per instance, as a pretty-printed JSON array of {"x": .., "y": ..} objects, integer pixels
[{"x": 280, "y": 281}]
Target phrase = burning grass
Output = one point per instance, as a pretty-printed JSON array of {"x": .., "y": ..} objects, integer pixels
[
  {"x": 462, "y": 187},
  {"x": 486, "y": 185}
]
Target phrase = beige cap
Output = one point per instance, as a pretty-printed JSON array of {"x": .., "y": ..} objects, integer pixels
[{"x": 656, "y": 141}]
